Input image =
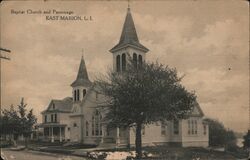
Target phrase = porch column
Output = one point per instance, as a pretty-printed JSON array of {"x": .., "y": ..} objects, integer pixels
[
  {"x": 117, "y": 136},
  {"x": 52, "y": 135},
  {"x": 60, "y": 129}
]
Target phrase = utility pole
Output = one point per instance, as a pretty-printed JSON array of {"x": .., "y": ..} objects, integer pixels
[{"x": 4, "y": 57}]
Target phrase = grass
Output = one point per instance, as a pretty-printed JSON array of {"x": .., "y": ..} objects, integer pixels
[{"x": 189, "y": 153}]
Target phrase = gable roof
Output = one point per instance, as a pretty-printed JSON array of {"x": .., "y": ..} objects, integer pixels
[
  {"x": 129, "y": 35},
  {"x": 64, "y": 105},
  {"x": 82, "y": 78},
  {"x": 197, "y": 111}
]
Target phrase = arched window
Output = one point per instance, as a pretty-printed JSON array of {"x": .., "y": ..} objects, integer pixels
[
  {"x": 118, "y": 64},
  {"x": 87, "y": 128},
  {"x": 135, "y": 59},
  {"x": 123, "y": 62},
  {"x": 78, "y": 95},
  {"x": 140, "y": 60},
  {"x": 96, "y": 124},
  {"x": 74, "y": 95},
  {"x": 84, "y": 93}
]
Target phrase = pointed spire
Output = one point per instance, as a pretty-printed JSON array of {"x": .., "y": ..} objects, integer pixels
[
  {"x": 129, "y": 35},
  {"x": 129, "y": 32},
  {"x": 82, "y": 78}
]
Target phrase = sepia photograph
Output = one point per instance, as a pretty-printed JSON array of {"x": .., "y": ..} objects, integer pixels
[{"x": 124, "y": 80}]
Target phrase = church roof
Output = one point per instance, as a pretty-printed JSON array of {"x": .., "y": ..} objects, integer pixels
[
  {"x": 82, "y": 78},
  {"x": 129, "y": 36},
  {"x": 56, "y": 105}
]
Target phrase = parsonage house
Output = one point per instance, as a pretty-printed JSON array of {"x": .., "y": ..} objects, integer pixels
[{"x": 79, "y": 118}]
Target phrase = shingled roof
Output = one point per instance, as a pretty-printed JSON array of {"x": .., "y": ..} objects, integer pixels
[
  {"x": 129, "y": 35},
  {"x": 82, "y": 78},
  {"x": 56, "y": 105}
]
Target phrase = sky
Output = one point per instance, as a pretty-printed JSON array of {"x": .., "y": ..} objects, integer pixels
[{"x": 207, "y": 41}]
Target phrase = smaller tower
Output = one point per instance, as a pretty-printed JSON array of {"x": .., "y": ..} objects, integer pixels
[
  {"x": 128, "y": 45},
  {"x": 82, "y": 83}
]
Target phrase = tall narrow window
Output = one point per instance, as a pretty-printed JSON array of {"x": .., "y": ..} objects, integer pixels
[
  {"x": 123, "y": 62},
  {"x": 55, "y": 117},
  {"x": 87, "y": 128},
  {"x": 74, "y": 95},
  {"x": 189, "y": 127},
  {"x": 176, "y": 127},
  {"x": 135, "y": 59},
  {"x": 45, "y": 118},
  {"x": 96, "y": 124},
  {"x": 118, "y": 64},
  {"x": 195, "y": 127},
  {"x": 84, "y": 92},
  {"x": 78, "y": 95},
  {"x": 140, "y": 60},
  {"x": 163, "y": 128},
  {"x": 192, "y": 125}
]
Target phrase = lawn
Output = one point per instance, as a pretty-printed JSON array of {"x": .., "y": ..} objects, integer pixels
[{"x": 189, "y": 153}]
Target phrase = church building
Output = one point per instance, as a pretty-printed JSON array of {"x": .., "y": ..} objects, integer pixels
[{"x": 85, "y": 122}]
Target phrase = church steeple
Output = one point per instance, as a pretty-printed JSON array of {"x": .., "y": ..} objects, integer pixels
[
  {"x": 129, "y": 36},
  {"x": 82, "y": 78},
  {"x": 128, "y": 46}
]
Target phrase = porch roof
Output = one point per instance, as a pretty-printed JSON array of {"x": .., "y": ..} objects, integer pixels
[{"x": 42, "y": 125}]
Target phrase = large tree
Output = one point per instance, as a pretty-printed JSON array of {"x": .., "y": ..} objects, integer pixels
[
  {"x": 9, "y": 122},
  {"x": 26, "y": 120},
  {"x": 15, "y": 122},
  {"x": 144, "y": 94}
]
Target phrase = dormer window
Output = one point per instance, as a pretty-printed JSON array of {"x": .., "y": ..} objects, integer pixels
[{"x": 53, "y": 105}]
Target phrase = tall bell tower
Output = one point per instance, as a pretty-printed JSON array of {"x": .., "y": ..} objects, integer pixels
[{"x": 128, "y": 45}]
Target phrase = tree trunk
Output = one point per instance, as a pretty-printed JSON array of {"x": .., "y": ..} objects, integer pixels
[{"x": 138, "y": 145}]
